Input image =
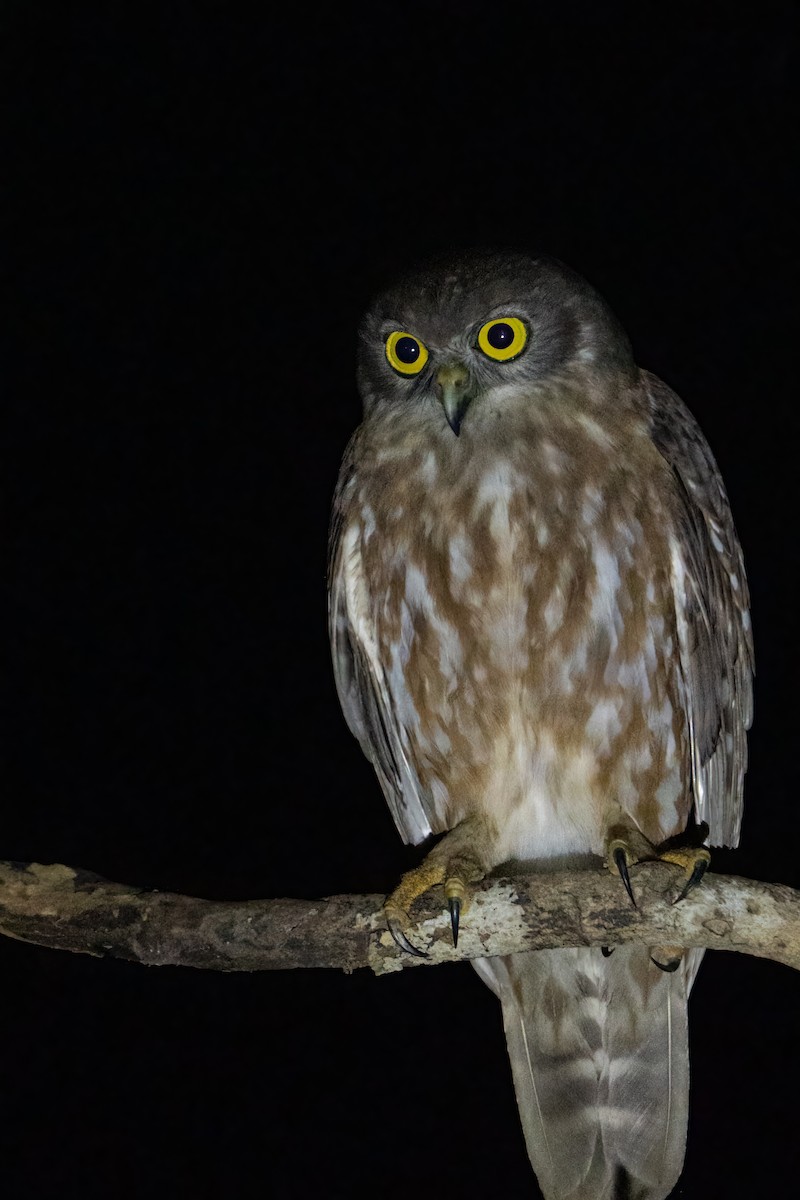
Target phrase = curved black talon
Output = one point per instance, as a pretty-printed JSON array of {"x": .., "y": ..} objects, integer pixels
[
  {"x": 622, "y": 866},
  {"x": 669, "y": 967},
  {"x": 607, "y": 951},
  {"x": 402, "y": 941},
  {"x": 697, "y": 874},
  {"x": 454, "y": 904}
]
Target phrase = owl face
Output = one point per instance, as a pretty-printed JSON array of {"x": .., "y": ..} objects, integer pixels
[{"x": 450, "y": 335}]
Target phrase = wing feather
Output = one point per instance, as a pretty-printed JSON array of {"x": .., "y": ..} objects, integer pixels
[
  {"x": 360, "y": 677},
  {"x": 712, "y": 609}
]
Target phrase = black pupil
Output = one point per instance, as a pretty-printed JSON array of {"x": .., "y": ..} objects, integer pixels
[
  {"x": 407, "y": 349},
  {"x": 500, "y": 336}
]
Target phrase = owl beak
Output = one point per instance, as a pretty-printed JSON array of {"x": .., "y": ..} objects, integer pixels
[{"x": 453, "y": 393}]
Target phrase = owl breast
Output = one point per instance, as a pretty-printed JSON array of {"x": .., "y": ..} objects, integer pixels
[{"x": 527, "y": 628}]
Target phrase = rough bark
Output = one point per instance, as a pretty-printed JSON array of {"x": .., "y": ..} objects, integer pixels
[{"x": 69, "y": 909}]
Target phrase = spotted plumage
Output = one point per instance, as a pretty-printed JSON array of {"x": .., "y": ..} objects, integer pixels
[{"x": 539, "y": 623}]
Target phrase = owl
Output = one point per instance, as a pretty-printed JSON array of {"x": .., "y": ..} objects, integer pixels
[{"x": 541, "y": 639}]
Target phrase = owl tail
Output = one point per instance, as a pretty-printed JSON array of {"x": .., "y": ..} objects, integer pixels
[{"x": 600, "y": 1058}]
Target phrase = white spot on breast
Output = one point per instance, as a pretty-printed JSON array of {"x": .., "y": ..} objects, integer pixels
[
  {"x": 632, "y": 676},
  {"x": 604, "y": 597},
  {"x": 572, "y": 668},
  {"x": 460, "y": 553},
  {"x": 604, "y": 724},
  {"x": 428, "y": 470},
  {"x": 417, "y": 593},
  {"x": 653, "y": 638},
  {"x": 497, "y": 486},
  {"x": 451, "y": 653},
  {"x": 593, "y": 428},
  {"x": 499, "y": 526},
  {"x": 554, "y": 611},
  {"x": 592, "y": 506},
  {"x": 554, "y": 458},
  {"x": 629, "y": 529},
  {"x": 442, "y": 741},
  {"x": 670, "y": 756},
  {"x": 642, "y": 758}
]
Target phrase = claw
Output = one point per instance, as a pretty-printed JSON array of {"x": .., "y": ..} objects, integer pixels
[
  {"x": 401, "y": 940},
  {"x": 607, "y": 951},
  {"x": 700, "y": 868},
  {"x": 669, "y": 967},
  {"x": 454, "y": 904},
  {"x": 621, "y": 863}
]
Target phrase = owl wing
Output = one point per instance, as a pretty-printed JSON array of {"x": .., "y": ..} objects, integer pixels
[
  {"x": 711, "y": 605},
  {"x": 360, "y": 676}
]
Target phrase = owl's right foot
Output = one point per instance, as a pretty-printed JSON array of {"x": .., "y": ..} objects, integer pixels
[
  {"x": 456, "y": 862},
  {"x": 396, "y": 906}
]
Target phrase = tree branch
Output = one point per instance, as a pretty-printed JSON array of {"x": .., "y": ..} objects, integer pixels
[{"x": 68, "y": 909}]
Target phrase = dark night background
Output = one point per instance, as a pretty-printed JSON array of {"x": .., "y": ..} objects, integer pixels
[{"x": 202, "y": 201}]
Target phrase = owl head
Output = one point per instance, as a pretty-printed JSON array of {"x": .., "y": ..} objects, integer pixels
[{"x": 453, "y": 332}]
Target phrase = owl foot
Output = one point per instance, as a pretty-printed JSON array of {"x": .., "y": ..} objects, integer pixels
[
  {"x": 620, "y": 857},
  {"x": 412, "y": 885},
  {"x": 394, "y": 923},
  {"x": 694, "y": 861},
  {"x": 460, "y": 873},
  {"x": 628, "y": 846},
  {"x": 625, "y": 848},
  {"x": 456, "y": 862}
]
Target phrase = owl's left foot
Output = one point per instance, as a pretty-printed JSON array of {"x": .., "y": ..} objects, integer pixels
[
  {"x": 693, "y": 860},
  {"x": 626, "y": 847}
]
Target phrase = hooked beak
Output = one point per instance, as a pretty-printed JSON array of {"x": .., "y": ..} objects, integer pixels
[{"x": 453, "y": 393}]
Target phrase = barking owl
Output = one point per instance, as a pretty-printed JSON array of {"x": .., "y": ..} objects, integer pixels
[{"x": 541, "y": 639}]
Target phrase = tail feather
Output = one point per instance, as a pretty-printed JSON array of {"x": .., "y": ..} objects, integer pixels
[{"x": 599, "y": 1053}]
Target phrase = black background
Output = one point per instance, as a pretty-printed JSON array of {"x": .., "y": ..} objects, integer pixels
[{"x": 202, "y": 202}]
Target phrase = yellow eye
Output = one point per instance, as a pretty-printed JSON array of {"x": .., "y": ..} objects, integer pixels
[
  {"x": 405, "y": 353},
  {"x": 503, "y": 338}
]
